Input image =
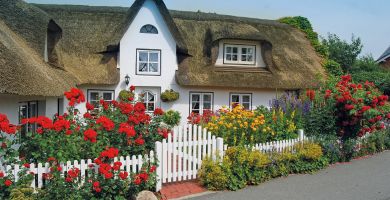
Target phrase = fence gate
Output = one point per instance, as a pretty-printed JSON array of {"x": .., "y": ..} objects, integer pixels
[{"x": 180, "y": 155}]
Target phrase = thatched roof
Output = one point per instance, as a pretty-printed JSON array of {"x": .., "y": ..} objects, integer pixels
[
  {"x": 22, "y": 39},
  {"x": 292, "y": 62},
  {"x": 23, "y": 72},
  {"x": 90, "y": 39}
]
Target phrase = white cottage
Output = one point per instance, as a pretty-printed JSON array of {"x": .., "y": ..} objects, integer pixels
[{"x": 211, "y": 60}]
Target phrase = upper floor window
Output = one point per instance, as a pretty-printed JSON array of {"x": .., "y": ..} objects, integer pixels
[
  {"x": 239, "y": 54},
  {"x": 148, "y": 28},
  {"x": 94, "y": 96},
  {"x": 148, "y": 62}
]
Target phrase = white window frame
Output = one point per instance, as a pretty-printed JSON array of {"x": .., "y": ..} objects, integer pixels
[
  {"x": 201, "y": 101},
  {"x": 145, "y": 100},
  {"x": 31, "y": 111},
  {"x": 241, "y": 99},
  {"x": 148, "y": 72},
  {"x": 101, "y": 93},
  {"x": 239, "y": 54}
]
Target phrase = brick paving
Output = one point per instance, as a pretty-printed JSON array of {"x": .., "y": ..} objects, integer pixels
[{"x": 181, "y": 189}]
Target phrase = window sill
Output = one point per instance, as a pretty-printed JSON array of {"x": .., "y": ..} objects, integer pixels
[{"x": 241, "y": 69}]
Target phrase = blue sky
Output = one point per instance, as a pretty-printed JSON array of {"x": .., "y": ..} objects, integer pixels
[{"x": 366, "y": 19}]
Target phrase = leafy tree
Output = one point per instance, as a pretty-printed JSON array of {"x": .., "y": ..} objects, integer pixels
[{"x": 343, "y": 52}]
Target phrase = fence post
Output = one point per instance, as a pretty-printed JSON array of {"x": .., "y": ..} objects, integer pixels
[
  {"x": 220, "y": 147},
  {"x": 159, "y": 169},
  {"x": 301, "y": 135}
]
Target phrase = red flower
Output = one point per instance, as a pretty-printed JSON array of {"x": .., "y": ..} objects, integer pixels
[
  {"x": 311, "y": 94},
  {"x": 90, "y": 135},
  {"x": 153, "y": 169},
  {"x": 144, "y": 176},
  {"x": 87, "y": 115},
  {"x": 26, "y": 165},
  {"x": 90, "y": 106},
  {"x": 39, "y": 131},
  {"x": 61, "y": 124},
  {"x": 139, "y": 141},
  {"x": 106, "y": 123},
  {"x": 388, "y": 115},
  {"x": 139, "y": 107},
  {"x": 365, "y": 108},
  {"x": 51, "y": 159},
  {"x": 98, "y": 190},
  {"x": 68, "y": 179},
  {"x": 328, "y": 93},
  {"x": 137, "y": 181},
  {"x": 126, "y": 128},
  {"x": 7, "y": 182},
  {"x": 108, "y": 175},
  {"x": 96, "y": 184},
  {"x": 109, "y": 153},
  {"x": 1, "y": 174},
  {"x": 132, "y": 88},
  {"x": 349, "y": 107},
  {"x": 123, "y": 175},
  {"x": 74, "y": 96},
  {"x": 158, "y": 111}
]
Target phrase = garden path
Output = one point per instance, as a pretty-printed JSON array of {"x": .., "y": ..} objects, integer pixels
[{"x": 362, "y": 179}]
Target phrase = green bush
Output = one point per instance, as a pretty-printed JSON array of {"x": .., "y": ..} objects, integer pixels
[
  {"x": 375, "y": 143},
  {"x": 241, "y": 167},
  {"x": 171, "y": 117},
  {"x": 126, "y": 95},
  {"x": 333, "y": 67}
]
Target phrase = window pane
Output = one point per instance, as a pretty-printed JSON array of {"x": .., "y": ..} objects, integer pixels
[
  {"x": 153, "y": 57},
  {"x": 94, "y": 96},
  {"x": 207, "y": 97},
  {"x": 207, "y": 105},
  {"x": 235, "y": 49},
  {"x": 228, "y": 57},
  {"x": 235, "y": 99},
  {"x": 150, "y": 97},
  {"x": 143, "y": 67},
  {"x": 234, "y": 58},
  {"x": 246, "y": 98},
  {"x": 244, "y": 50},
  {"x": 143, "y": 56},
  {"x": 250, "y": 58},
  {"x": 153, "y": 67},
  {"x": 246, "y": 106},
  {"x": 243, "y": 58},
  {"x": 107, "y": 96},
  {"x": 250, "y": 50},
  {"x": 150, "y": 107},
  {"x": 228, "y": 49},
  {"x": 195, "y": 106},
  {"x": 195, "y": 97}
]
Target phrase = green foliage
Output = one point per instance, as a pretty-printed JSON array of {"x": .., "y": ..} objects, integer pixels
[
  {"x": 304, "y": 25},
  {"x": 169, "y": 95},
  {"x": 331, "y": 147},
  {"x": 333, "y": 68},
  {"x": 241, "y": 166},
  {"x": 341, "y": 51},
  {"x": 171, "y": 118},
  {"x": 375, "y": 143}
]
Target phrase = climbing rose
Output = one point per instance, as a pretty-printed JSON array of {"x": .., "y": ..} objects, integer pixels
[
  {"x": 123, "y": 175},
  {"x": 90, "y": 135},
  {"x": 74, "y": 96},
  {"x": 106, "y": 123},
  {"x": 90, "y": 106},
  {"x": 7, "y": 182},
  {"x": 158, "y": 111}
]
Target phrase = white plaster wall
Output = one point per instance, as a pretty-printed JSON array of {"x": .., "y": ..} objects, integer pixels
[
  {"x": 133, "y": 40},
  {"x": 259, "y": 59},
  {"x": 9, "y": 106}
]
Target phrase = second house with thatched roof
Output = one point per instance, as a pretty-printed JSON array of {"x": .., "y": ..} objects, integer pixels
[{"x": 210, "y": 60}]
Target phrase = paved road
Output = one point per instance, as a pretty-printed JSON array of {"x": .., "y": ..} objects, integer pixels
[{"x": 367, "y": 179}]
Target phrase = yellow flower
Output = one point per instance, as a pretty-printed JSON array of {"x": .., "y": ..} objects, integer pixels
[{"x": 254, "y": 129}]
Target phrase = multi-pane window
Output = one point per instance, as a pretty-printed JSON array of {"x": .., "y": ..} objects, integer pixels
[
  {"x": 148, "y": 62},
  {"x": 201, "y": 102},
  {"x": 239, "y": 54},
  {"x": 148, "y": 28},
  {"x": 94, "y": 96},
  {"x": 244, "y": 100},
  {"x": 149, "y": 100},
  {"x": 27, "y": 110}
]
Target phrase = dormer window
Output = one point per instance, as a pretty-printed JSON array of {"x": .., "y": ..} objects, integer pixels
[
  {"x": 148, "y": 28},
  {"x": 239, "y": 54}
]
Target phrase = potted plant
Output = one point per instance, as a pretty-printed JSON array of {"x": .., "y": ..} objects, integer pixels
[{"x": 169, "y": 96}]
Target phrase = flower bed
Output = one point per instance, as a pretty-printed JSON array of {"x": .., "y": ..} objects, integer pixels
[
  {"x": 238, "y": 126},
  {"x": 105, "y": 131}
]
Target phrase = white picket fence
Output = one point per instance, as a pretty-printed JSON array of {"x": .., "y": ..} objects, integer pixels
[
  {"x": 179, "y": 156},
  {"x": 129, "y": 164},
  {"x": 182, "y": 153}
]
